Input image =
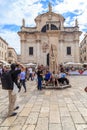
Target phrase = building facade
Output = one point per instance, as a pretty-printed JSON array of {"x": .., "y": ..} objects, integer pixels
[
  {"x": 49, "y": 42},
  {"x": 19, "y": 58},
  {"x": 83, "y": 50},
  {"x": 7, "y": 54},
  {"x": 3, "y": 50},
  {"x": 12, "y": 55}
]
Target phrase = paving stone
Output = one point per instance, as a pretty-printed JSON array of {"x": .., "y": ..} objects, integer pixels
[
  {"x": 38, "y": 103},
  {"x": 32, "y": 118},
  {"x": 55, "y": 127},
  {"x": 72, "y": 107},
  {"x": 25, "y": 112},
  {"x": 81, "y": 126},
  {"x": 61, "y": 104},
  {"x": 44, "y": 109},
  {"x": 68, "y": 100},
  {"x": 77, "y": 118},
  {"x": 44, "y": 114},
  {"x": 42, "y": 124},
  {"x": 67, "y": 123},
  {"x": 36, "y": 108},
  {"x": 54, "y": 117},
  {"x": 29, "y": 105},
  {"x": 19, "y": 121},
  {"x": 85, "y": 118},
  {"x": 4, "y": 128},
  {"x": 16, "y": 127},
  {"x": 83, "y": 111},
  {"x": 8, "y": 121},
  {"x": 64, "y": 111},
  {"x": 24, "y": 127},
  {"x": 47, "y": 93},
  {"x": 49, "y": 109},
  {"x": 30, "y": 127},
  {"x": 54, "y": 107}
]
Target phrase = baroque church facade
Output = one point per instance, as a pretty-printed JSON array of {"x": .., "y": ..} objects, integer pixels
[{"x": 49, "y": 42}]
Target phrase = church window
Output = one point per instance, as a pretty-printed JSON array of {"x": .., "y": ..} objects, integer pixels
[
  {"x": 68, "y": 50},
  {"x": 10, "y": 54},
  {"x": 46, "y": 27},
  {"x": 53, "y": 27},
  {"x": 85, "y": 58},
  {"x": 30, "y": 50}
]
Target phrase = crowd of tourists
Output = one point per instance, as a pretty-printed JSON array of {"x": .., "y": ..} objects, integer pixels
[{"x": 42, "y": 75}]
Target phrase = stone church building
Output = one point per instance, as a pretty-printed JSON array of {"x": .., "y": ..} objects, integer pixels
[{"x": 49, "y": 42}]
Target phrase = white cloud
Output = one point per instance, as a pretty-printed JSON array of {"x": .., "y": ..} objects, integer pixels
[
  {"x": 19, "y": 9},
  {"x": 16, "y": 11},
  {"x": 13, "y": 11},
  {"x": 78, "y": 7},
  {"x": 12, "y": 39}
]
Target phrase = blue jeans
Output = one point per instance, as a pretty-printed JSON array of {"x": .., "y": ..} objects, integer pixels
[
  {"x": 39, "y": 83},
  {"x": 23, "y": 83}
]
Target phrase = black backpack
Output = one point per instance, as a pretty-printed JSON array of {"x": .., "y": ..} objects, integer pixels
[{"x": 6, "y": 81}]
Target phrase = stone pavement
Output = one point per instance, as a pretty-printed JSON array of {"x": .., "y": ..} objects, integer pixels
[{"x": 49, "y": 109}]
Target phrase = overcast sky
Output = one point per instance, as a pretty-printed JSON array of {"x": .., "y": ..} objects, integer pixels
[{"x": 13, "y": 11}]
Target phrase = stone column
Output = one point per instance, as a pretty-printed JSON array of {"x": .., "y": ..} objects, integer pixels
[
  {"x": 38, "y": 51},
  {"x": 44, "y": 58},
  {"x": 61, "y": 51},
  {"x": 77, "y": 53},
  {"x": 23, "y": 47}
]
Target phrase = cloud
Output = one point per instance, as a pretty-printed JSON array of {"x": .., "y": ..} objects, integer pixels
[
  {"x": 18, "y": 10},
  {"x": 12, "y": 39},
  {"x": 13, "y": 11}
]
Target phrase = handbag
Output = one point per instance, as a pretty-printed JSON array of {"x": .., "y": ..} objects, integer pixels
[{"x": 15, "y": 89}]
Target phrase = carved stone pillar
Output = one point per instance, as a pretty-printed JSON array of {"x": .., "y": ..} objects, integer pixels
[
  {"x": 38, "y": 51},
  {"x": 53, "y": 58},
  {"x": 45, "y": 46}
]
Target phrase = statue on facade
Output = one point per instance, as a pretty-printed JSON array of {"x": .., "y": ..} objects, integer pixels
[
  {"x": 50, "y": 7},
  {"x": 23, "y": 22},
  {"x": 76, "y": 22}
]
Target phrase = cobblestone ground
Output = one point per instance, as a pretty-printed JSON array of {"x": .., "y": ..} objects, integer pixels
[{"x": 49, "y": 109}]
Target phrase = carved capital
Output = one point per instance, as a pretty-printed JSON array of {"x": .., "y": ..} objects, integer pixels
[
  {"x": 38, "y": 41},
  {"x": 23, "y": 41}
]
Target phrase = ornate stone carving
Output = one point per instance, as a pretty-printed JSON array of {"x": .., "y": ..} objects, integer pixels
[
  {"x": 38, "y": 41},
  {"x": 45, "y": 46},
  {"x": 53, "y": 56}
]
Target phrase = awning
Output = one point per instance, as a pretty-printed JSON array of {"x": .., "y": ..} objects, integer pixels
[
  {"x": 30, "y": 64},
  {"x": 4, "y": 62}
]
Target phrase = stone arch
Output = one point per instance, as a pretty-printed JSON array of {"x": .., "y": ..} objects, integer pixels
[
  {"x": 53, "y": 27},
  {"x": 46, "y": 27}
]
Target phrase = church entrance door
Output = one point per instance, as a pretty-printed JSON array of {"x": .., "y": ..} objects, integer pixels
[{"x": 48, "y": 59}]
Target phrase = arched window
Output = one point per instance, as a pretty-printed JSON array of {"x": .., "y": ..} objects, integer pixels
[
  {"x": 46, "y": 27},
  {"x": 53, "y": 27}
]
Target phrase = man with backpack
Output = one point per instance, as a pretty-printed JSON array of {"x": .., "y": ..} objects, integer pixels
[
  {"x": 12, "y": 98},
  {"x": 8, "y": 79}
]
